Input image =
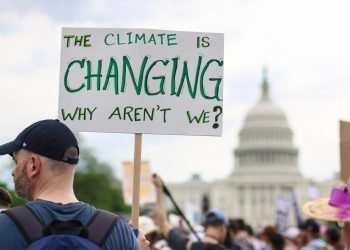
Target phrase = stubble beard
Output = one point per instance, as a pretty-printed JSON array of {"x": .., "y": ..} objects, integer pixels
[{"x": 22, "y": 185}]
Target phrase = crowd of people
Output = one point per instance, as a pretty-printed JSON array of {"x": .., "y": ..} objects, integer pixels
[
  {"x": 45, "y": 156},
  {"x": 220, "y": 232}
]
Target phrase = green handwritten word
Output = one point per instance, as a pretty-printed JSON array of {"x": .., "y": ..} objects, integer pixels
[
  {"x": 139, "y": 114},
  {"x": 202, "y": 118},
  {"x": 78, "y": 114},
  {"x": 143, "y": 38},
  {"x": 203, "y": 41},
  {"x": 78, "y": 40},
  {"x": 143, "y": 83}
]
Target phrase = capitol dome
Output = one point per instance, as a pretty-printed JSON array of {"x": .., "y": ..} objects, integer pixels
[
  {"x": 266, "y": 140},
  {"x": 265, "y": 113},
  {"x": 265, "y": 186}
]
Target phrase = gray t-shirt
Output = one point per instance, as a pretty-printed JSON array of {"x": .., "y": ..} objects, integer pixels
[{"x": 121, "y": 236}]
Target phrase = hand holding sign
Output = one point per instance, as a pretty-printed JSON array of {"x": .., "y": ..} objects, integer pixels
[{"x": 141, "y": 81}]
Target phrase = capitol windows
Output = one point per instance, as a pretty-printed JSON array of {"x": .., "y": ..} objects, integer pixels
[
  {"x": 241, "y": 195},
  {"x": 270, "y": 188},
  {"x": 253, "y": 196},
  {"x": 263, "y": 158},
  {"x": 273, "y": 159},
  {"x": 222, "y": 200},
  {"x": 242, "y": 159},
  {"x": 262, "y": 198}
]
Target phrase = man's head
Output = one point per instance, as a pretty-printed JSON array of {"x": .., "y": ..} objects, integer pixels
[
  {"x": 309, "y": 230},
  {"x": 5, "y": 199},
  {"x": 44, "y": 147},
  {"x": 236, "y": 226},
  {"x": 332, "y": 235},
  {"x": 216, "y": 220}
]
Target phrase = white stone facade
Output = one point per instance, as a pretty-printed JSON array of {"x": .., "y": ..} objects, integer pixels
[{"x": 266, "y": 167}]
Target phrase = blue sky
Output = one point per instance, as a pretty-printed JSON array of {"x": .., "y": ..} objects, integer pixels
[{"x": 304, "y": 45}]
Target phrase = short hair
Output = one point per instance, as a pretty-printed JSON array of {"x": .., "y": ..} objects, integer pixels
[
  {"x": 249, "y": 230},
  {"x": 333, "y": 234},
  {"x": 71, "y": 153},
  {"x": 59, "y": 167},
  {"x": 5, "y": 198},
  {"x": 311, "y": 226},
  {"x": 277, "y": 241},
  {"x": 237, "y": 225}
]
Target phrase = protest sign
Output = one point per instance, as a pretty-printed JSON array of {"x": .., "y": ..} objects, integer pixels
[
  {"x": 141, "y": 81},
  {"x": 147, "y": 190},
  {"x": 344, "y": 151}
]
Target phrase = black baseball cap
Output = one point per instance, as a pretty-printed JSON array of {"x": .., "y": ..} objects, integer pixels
[
  {"x": 49, "y": 138},
  {"x": 215, "y": 216}
]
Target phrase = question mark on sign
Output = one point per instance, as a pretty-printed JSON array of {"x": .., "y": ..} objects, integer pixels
[{"x": 216, "y": 108}]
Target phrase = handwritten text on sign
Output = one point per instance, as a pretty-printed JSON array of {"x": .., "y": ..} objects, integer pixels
[{"x": 141, "y": 81}]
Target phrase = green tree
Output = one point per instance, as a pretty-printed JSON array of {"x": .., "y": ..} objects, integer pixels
[
  {"x": 15, "y": 200},
  {"x": 96, "y": 183},
  {"x": 7, "y": 182}
]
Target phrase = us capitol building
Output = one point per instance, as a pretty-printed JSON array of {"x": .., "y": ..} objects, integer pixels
[{"x": 266, "y": 169}]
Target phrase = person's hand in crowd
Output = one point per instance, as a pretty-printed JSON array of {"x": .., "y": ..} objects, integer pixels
[
  {"x": 141, "y": 239},
  {"x": 160, "y": 212},
  {"x": 143, "y": 242}
]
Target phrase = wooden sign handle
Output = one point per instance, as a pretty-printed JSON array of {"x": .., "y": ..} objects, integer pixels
[{"x": 136, "y": 182}]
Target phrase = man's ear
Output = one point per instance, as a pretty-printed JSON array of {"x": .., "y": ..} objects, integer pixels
[{"x": 35, "y": 167}]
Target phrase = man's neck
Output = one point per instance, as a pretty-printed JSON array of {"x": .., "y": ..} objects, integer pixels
[
  {"x": 212, "y": 235},
  {"x": 55, "y": 191},
  {"x": 65, "y": 199}
]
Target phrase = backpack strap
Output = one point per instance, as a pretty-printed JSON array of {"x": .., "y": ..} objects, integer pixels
[
  {"x": 26, "y": 221},
  {"x": 100, "y": 226}
]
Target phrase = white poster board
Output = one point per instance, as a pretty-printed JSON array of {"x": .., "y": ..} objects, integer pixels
[{"x": 141, "y": 81}]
